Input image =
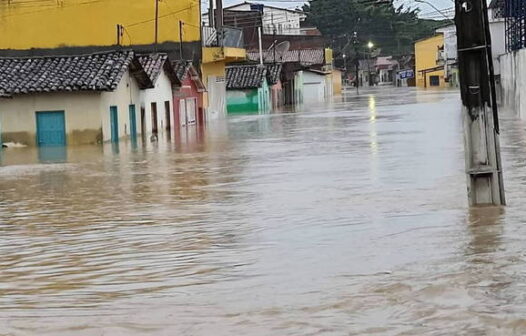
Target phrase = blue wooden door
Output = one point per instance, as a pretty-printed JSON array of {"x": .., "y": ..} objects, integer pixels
[
  {"x": 114, "y": 124},
  {"x": 133, "y": 122},
  {"x": 51, "y": 128}
]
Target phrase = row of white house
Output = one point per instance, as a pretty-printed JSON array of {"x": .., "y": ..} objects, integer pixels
[{"x": 95, "y": 98}]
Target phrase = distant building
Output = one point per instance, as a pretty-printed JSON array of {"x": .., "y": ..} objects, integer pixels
[
  {"x": 406, "y": 72},
  {"x": 429, "y": 73},
  {"x": 188, "y": 97},
  {"x": 447, "y": 55},
  {"x": 386, "y": 67},
  {"x": 51, "y": 27},
  {"x": 69, "y": 100},
  {"x": 253, "y": 88},
  {"x": 157, "y": 102},
  {"x": 285, "y": 40},
  {"x": 275, "y": 20},
  {"x": 337, "y": 81},
  {"x": 366, "y": 72},
  {"x": 317, "y": 86}
]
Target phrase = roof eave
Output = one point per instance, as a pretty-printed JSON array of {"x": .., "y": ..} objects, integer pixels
[{"x": 137, "y": 71}]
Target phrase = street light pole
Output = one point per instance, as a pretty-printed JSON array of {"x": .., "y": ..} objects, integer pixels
[
  {"x": 356, "y": 65},
  {"x": 370, "y": 45}
]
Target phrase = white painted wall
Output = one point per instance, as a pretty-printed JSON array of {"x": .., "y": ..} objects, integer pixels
[
  {"x": 329, "y": 86},
  {"x": 286, "y": 22},
  {"x": 513, "y": 82},
  {"x": 86, "y": 113},
  {"x": 498, "y": 42},
  {"x": 18, "y": 115},
  {"x": 313, "y": 87},
  {"x": 216, "y": 98},
  {"x": 127, "y": 93},
  {"x": 161, "y": 93},
  {"x": 450, "y": 41}
]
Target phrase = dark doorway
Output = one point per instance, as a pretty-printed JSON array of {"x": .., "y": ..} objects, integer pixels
[
  {"x": 143, "y": 120},
  {"x": 155, "y": 128},
  {"x": 434, "y": 81},
  {"x": 167, "y": 114}
]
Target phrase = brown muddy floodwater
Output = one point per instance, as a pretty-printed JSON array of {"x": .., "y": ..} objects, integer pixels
[{"x": 347, "y": 218}]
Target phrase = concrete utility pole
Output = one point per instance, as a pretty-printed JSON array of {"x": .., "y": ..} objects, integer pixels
[
  {"x": 211, "y": 18},
  {"x": 219, "y": 22},
  {"x": 357, "y": 61},
  {"x": 181, "y": 26},
  {"x": 156, "y": 37},
  {"x": 480, "y": 114}
]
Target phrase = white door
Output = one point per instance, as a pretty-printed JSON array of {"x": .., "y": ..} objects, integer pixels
[
  {"x": 216, "y": 98},
  {"x": 190, "y": 111},
  {"x": 182, "y": 112}
]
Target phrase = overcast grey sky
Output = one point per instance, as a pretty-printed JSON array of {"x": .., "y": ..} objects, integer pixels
[{"x": 426, "y": 10}]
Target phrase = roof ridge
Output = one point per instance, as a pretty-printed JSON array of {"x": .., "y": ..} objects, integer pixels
[{"x": 67, "y": 56}]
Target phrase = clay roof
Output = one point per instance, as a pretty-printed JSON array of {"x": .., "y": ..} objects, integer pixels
[
  {"x": 245, "y": 76},
  {"x": 156, "y": 63},
  {"x": 181, "y": 69},
  {"x": 304, "y": 56},
  {"x": 273, "y": 73},
  {"x": 94, "y": 72}
]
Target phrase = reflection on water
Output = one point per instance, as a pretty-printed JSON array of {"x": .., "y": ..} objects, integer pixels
[
  {"x": 52, "y": 154},
  {"x": 348, "y": 218}
]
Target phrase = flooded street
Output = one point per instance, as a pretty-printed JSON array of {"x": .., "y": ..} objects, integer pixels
[{"x": 348, "y": 218}]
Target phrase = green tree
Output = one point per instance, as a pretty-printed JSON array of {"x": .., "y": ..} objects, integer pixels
[{"x": 392, "y": 29}]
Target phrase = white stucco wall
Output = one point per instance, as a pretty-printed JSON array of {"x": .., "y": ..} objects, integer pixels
[
  {"x": 216, "y": 98},
  {"x": 313, "y": 87},
  {"x": 513, "y": 81},
  {"x": 160, "y": 94},
  {"x": 450, "y": 41},
  {"x": 498, "y": 42},
  {"x": 86, "y": 113},
  {"x": 18, "y": 116},
  {"x": 127, "y": 93}
]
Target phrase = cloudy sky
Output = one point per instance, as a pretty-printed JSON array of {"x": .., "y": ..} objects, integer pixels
[{"x": 427, "y": 10}]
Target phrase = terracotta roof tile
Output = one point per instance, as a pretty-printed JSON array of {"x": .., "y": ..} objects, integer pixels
[
  {"x": 181, "y": 69},
  {"x": 245, "y": 76},
  {"x": 94, "y": 72},
  {"x": 273, "y": 73},
  {"x": 304, "y": 56},
  {"x": 153, "y": 64}
]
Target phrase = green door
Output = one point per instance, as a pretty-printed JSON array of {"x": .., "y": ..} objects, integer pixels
[
  {"x": 133, "y": 122},
  {"x": 51, "y": 128},
  {"x": 114, "y": 124}
]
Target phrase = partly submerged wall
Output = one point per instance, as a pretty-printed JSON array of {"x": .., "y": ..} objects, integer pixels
[{"x": 513, "y": 82}]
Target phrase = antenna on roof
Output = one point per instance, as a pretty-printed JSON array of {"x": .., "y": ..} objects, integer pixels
[{"x": 280, "y": 50}]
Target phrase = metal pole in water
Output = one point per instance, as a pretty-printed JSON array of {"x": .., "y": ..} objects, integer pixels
[
  {"x": 480, "y": 114},
  {"x": 356, "y": 81},
  {"x": 261, "y": 47}
]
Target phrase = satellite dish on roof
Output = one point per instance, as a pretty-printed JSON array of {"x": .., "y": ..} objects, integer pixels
[{"x": 279, "y": 50}]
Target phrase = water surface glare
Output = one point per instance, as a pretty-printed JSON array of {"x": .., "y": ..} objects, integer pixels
[{"x": 343, "y": 218}]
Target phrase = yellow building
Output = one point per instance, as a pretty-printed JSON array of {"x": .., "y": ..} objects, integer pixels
[
  {"x": 429, "y": 73},
  {"x": 51, "y": 24},
  {"x": 216, "y": 55},
  {"x": 83, "y": 26}
]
